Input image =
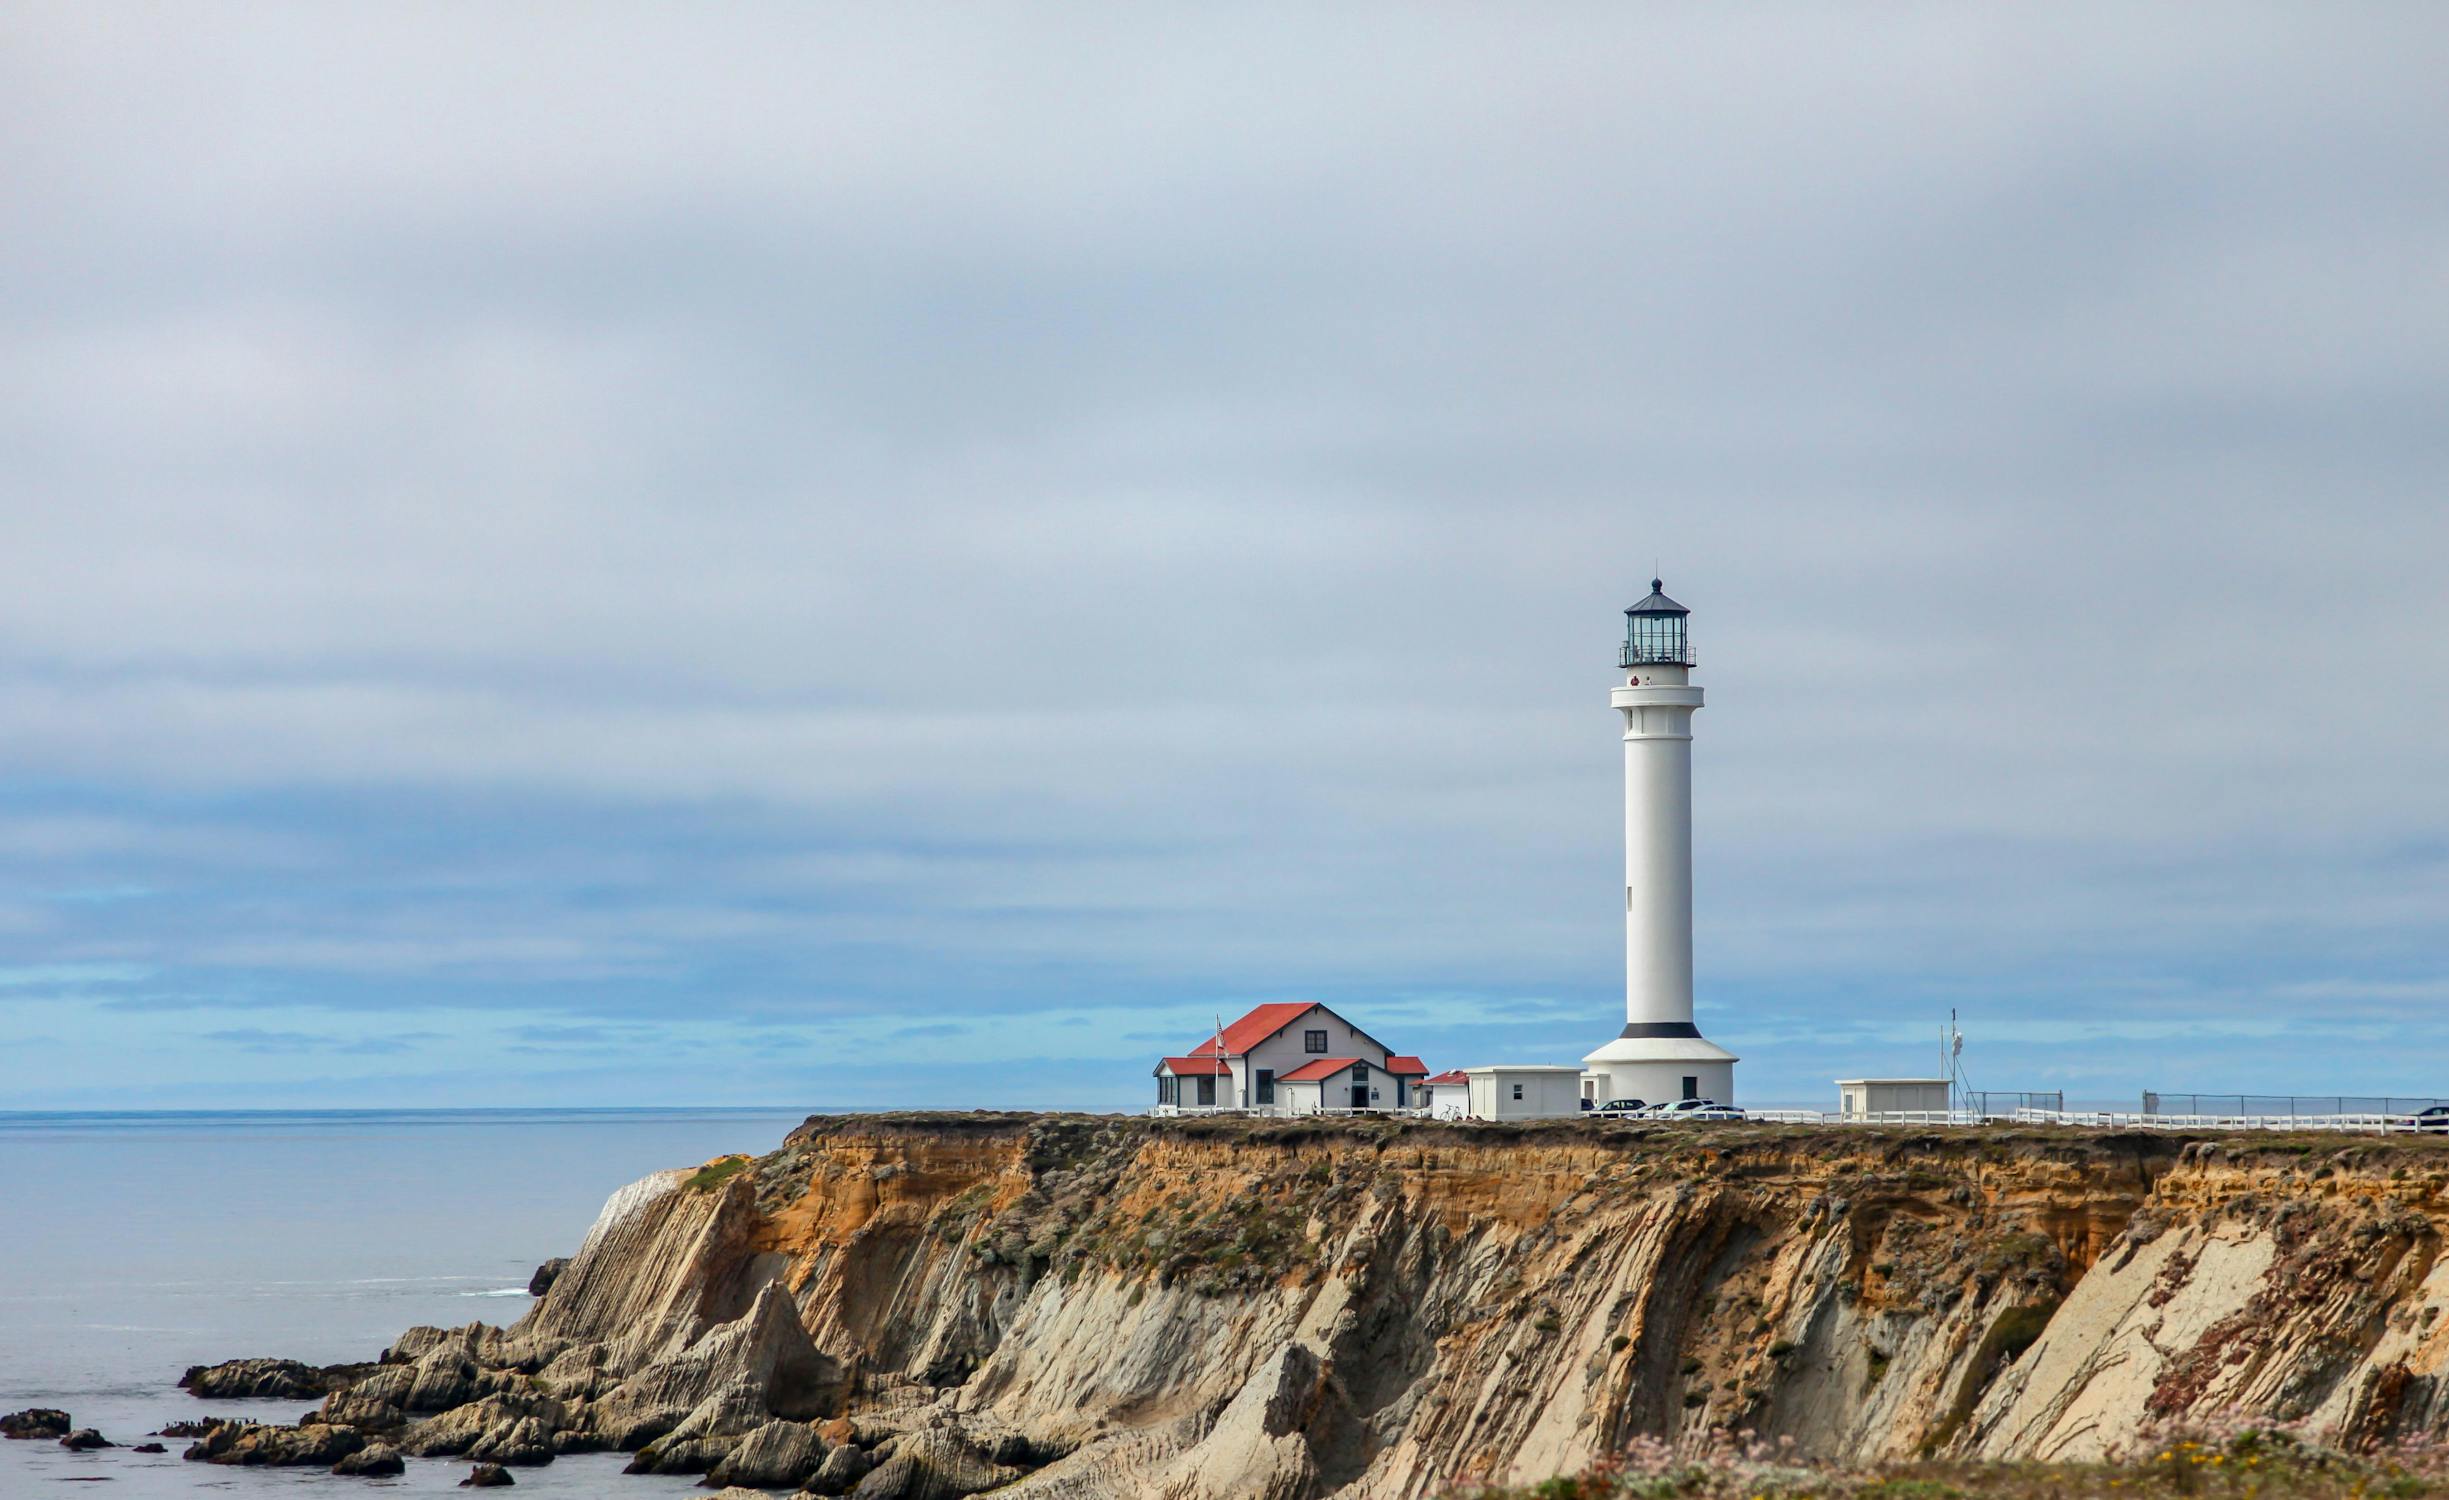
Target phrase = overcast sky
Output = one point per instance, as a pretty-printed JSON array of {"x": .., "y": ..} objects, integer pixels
[{"x": 629, "y": 555}]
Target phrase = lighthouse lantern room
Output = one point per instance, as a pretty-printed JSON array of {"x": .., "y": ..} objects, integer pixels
[{"x": 1660, "y": 1055}]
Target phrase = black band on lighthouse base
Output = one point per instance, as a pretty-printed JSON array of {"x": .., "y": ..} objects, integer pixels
[{"x": 1660, "y": 1028}]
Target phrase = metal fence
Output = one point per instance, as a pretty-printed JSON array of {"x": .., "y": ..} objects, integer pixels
[
  {"x": 2286, "y": 1106},
  {"x": 1995, "y": 1104}
]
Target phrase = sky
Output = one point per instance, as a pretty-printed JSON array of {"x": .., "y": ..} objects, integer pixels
[{"x": 919, "y": 555}]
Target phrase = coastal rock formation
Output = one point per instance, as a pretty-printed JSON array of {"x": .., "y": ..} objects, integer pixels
[
  {"x": 542, "y": 1281},
  {"x": 1070, "y": 1308},
  {"x": 778, "y": 1455},
  {"x": 487, "y": 1477},
  {"x": 316, "y": 1444},
  {"x": 274, "y": 1379},
  {"x": 85, "y": 1438},
  {"x": 374, "y": 1461},
  {"x": 34, "y": 1422}
]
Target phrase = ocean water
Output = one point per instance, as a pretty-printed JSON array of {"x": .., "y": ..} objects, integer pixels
[{"x": 135, "y": 1245}]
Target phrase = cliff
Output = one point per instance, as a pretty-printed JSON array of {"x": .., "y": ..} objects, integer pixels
[{"x": 1081, "y": 1307}]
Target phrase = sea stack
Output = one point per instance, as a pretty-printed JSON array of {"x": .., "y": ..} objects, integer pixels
[{"x": 1660, "y": 1055}]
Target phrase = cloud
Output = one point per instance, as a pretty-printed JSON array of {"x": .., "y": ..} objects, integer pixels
[
  {"x": 261, "y": 1040},
  {"x": 912, "y": 533}
]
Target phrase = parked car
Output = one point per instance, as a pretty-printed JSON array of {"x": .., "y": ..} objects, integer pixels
[
  {"x": 2435, "y": 1118},
  {"x": 1621, "y": 1107},
  {"x": 1692, "y": 1109}
]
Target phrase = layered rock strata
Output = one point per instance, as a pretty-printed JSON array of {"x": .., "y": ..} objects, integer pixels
[{"x": 1076, "y": 1307}]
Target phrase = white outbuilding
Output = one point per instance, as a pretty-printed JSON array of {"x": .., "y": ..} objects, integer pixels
[
  {"x": 1447, "y": 1096},
  {"x": 1858, "y": 1097},
  {"x": 1525, "y": 1092}
]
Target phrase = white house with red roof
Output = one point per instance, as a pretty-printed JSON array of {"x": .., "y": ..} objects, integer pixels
[{"x": 1292, "y": 1057}]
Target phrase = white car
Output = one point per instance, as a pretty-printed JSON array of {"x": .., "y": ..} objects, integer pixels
[{"x": 1691, "y": 1109}]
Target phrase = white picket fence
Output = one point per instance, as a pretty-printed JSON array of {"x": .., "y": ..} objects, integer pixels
[
  {"x": 2369, "y": 1124},
  {"x": 2101, "y": 1120}
]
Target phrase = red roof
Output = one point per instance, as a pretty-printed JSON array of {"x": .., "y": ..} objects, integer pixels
[
  {"x": 1451, "y": 1075},
  {"x": 1408, "y": 1067},
  {"x": 1197, "y": 1067},
  {"x": 1255, "y": 1028},
  {"x": 1325, "y": 1067}
]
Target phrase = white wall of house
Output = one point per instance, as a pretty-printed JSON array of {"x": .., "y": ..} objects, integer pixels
[
  {"x": 1307, "y": 1098},
  {"x": 1446, "y": 1101},
  {"x": 1525, "y": 1093},
  {"x": 1187, "y": 1095},
  {"x": 1879, "y": 1096},
  {"x": 1287, "y": 1050},
  {"x": 1664, "y": 1081}
]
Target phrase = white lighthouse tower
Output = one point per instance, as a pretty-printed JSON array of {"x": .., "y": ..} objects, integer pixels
[{"x": 1660, "y": 1055}]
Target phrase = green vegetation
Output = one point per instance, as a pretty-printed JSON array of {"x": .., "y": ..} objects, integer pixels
[{"x": 715, "y": 1173}]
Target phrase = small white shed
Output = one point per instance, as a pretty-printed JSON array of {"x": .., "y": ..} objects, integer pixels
[
  {"x": 1446, "y": 1096},
  {"x": 1525, "y": 1093},
  {"x": 1886, "y": 1096}
]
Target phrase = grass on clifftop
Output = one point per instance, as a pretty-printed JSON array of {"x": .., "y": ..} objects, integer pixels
[
  {"x": 2217, "y": 1459},
  {"x": 715, "y": 1173}
]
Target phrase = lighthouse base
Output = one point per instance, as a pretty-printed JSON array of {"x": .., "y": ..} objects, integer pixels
[{"x": 1660, "y": 1070}]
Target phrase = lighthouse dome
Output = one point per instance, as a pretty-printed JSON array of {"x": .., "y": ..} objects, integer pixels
[{"x": 1654, "y": 632}]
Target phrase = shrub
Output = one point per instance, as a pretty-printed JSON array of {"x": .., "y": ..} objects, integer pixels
[{"x": 715, "y": 1173}]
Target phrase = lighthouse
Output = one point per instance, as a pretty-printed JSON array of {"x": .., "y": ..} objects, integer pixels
[{"x": 1660, "y": 1055}]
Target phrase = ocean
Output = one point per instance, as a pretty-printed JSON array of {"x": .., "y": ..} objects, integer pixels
[{"x": 135, "y": 1245}]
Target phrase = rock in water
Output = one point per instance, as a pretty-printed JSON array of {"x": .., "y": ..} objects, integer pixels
[
  {"x": 546, "y": 1275},
  {"x": 777, "y": 1456},
  {"x": 372, "y": 1462},
  {"x": 487, "y": 1477},
  {"x": 253, "y": 1444},
  {"x": 268, "y": 1379},
  {"x": 34, "y": 1422},
  {"x": 526, "y": 1441},
  {"x": 494, "y": 1421},
  {"x": 84, "y": 1438},
  {"x": 148, "y": 1448},
  {"x": 194, "y": 1429}
]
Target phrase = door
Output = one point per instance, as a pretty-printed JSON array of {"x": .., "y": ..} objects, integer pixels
[
  {"x": 1692, "y": 1088},
  {"x": 1207, "y": 1091},
  {"x": 1360, "y": 1096},
  {"x": 1266, "y": 1086}
]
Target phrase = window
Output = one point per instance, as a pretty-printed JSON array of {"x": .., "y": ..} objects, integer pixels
[
  {"x": 1207, "y": 1090},
  {"x": 1314, "y": 1041},
  {"x": 1517, "y": 1091},
  {"x": 1267, "y": 1085},
  {"x": 1360, "y": 1072},
  {"x": 1164, "y": 1090}
]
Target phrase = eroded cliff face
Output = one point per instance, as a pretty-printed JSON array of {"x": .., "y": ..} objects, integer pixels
[{"x": 1085, "y": 1307}]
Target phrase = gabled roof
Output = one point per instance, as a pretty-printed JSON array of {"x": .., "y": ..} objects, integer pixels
[
  {"x": 1263, "y": 1022},
  {"x": 1196, "y": 1067},
  {"x": 1325, "y": 1067},
  {"x": 1407, "y": 1067},
  {"x": 1450, "y": 1075}
]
